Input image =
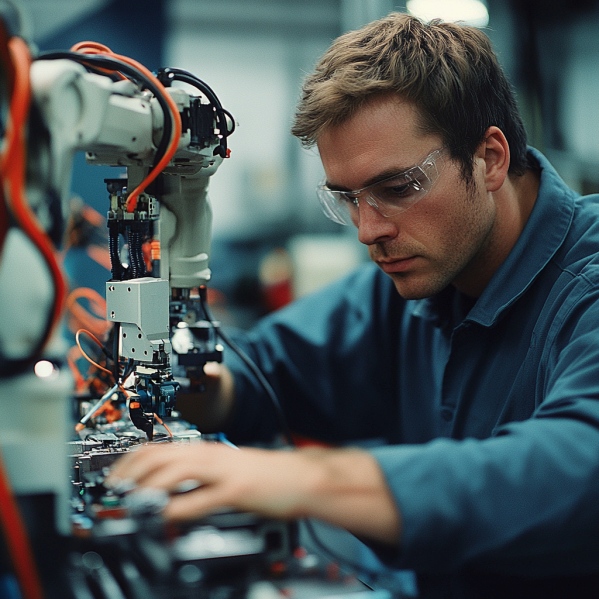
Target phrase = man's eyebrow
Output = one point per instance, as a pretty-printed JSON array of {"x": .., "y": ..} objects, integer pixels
[{"x": 386, "y": 174}]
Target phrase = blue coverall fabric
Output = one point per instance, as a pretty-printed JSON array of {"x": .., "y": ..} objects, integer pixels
[{"x": 483, "y": 414}]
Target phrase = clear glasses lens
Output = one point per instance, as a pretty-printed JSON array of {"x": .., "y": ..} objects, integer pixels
[{"x": 390, "y": 196}]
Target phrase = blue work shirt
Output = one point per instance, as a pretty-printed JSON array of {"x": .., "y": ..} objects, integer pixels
[{"x": 485, "y": 412}]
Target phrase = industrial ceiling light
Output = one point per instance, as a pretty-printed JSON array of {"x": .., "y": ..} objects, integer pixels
[{"x": 472, "y": 12}]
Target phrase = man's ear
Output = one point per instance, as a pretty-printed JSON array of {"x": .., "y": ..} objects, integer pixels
[{"x": 495, "y": 151}]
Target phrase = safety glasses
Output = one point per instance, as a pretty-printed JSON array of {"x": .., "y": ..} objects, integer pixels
[{"x": 390, "y": 196}]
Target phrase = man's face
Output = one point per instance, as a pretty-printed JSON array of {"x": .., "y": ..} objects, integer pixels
[{"x": 446, "y": 236}]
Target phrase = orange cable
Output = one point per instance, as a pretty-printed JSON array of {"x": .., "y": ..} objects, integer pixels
[
  {"x": 12, "y": 171},
  {"x": 91, "y": 361},
  {"x": 12, "y": 167},
  {"x": 84, "y": 354},
  {"x": 95, "y": 299},
  {"x": 83, "y": 318},
  {"x": 160, "y": 421},
  {"x": 77, "y": 376},
  {"x": 96, "y": 48}
]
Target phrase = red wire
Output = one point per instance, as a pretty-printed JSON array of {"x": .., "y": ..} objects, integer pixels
[
  {"x": 12, "y": 173},
  {"x": 12, "y": 169},
  {"x": 18, "y": 545}
]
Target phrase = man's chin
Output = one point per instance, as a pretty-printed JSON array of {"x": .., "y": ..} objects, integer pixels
[{"x": 414, "y": 288}]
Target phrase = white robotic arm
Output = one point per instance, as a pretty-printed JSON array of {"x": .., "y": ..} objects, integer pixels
[
  {"x": 122, "y": 122},
  {"x": 126, "y": 123},
  {"x": 169, "y": 143}
]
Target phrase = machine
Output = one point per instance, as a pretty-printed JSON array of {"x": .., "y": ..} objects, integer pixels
[
  {"x": 170, "y": 143},
  {"x": 167, "y": 132},
  {"x": 64, "y": 534}
]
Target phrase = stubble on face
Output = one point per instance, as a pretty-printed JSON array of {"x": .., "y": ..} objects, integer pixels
[{"x": 459, "y": 255}]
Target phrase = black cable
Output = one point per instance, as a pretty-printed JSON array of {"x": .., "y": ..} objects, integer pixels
[
  {"x": 97, "y": 60},
  {"x": 116, "y": 266},
  {"x": 136, "y": 259},
  {"x": 170, "y": 74},
  {"x": 272, "y": 396},
  {"x": 363, "y": 570}
]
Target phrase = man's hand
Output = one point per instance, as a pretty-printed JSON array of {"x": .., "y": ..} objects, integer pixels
[
  {"x": 209, "y": 409},
  {"x": 343, "y": 487}
]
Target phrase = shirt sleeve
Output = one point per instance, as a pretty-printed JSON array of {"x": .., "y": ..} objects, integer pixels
[
  {"x": 328, "y": 358},
  {"x": 526, "y": 500}
]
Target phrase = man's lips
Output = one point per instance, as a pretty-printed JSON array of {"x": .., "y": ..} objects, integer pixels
[{"x": 397, "y": 264}]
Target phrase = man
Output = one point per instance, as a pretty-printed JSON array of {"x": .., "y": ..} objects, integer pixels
[{"x": 469, "y": 355}]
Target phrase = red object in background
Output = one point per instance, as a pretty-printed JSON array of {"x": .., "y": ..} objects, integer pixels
[
  {"x": 276, "y": 278},
  {"x": 301, "y": 441},
  {"x": 277, "y": 295}
]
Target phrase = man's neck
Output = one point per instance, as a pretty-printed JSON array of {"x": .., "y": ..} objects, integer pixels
[{"x": 515, "y": 201}]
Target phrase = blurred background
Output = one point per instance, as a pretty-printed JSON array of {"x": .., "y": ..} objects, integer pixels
[{"x": 271, "y": 243}]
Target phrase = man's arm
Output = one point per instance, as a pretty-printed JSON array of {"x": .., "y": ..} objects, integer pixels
[{"x": 344, "y": 487}]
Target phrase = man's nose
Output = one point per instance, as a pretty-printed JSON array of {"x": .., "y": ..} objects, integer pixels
[{"x": 373, "y": 227}]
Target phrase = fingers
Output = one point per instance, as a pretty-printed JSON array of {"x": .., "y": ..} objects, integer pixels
[
  {"x": 213, "y": 369},
  {"x": 135, "y": 466},
  {"x": 190, "y": 473},
  {"x": 187, "y": 506},
  {"x": 203, "y": 477}
]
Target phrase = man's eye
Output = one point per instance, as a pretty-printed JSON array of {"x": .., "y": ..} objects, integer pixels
[
  {"x": 391, "y": 193},
  {"x": 349, "y": 198}
]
